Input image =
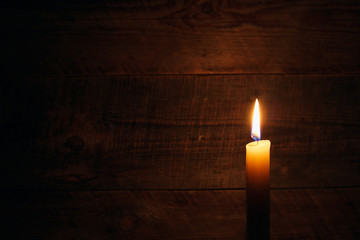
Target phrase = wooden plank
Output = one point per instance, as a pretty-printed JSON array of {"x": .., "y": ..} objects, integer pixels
[
  {"x": 295, "y": 214},
  {"x": 315, "y": 214},
  {"x": 177, "y": 37},
  {"x": 177, "y": 132}
]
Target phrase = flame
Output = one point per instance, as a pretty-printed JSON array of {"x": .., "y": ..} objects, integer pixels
[{"x": 255, "y": 131}]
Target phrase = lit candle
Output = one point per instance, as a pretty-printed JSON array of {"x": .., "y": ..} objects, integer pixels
[{"x": 257, "y": 182}]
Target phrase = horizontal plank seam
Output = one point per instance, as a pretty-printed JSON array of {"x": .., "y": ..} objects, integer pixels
[
  {"x": 185, "y": 74},
  {"x": 168, "y": 189}
]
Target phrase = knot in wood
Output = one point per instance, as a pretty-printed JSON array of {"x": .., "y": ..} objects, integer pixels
[
  {"x": 207, "y": 8},
  {"x": 74, "y": 143}
]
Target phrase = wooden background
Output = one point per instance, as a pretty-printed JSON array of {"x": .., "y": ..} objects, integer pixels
[{"x": 129, "y": 119}]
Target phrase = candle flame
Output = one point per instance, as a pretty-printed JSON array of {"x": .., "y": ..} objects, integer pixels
[{"x": 255, "y": 132}]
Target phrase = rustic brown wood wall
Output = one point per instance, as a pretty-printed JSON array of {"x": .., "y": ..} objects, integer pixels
[{"x": 129, "y": 119}]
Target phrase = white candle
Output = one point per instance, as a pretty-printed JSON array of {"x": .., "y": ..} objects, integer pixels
[{"x": 257, "y": 182}]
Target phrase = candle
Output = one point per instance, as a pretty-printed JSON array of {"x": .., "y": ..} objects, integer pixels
[{"x": 257, "y": 182}]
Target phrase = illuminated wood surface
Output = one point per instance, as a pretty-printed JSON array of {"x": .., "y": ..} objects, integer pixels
[{"x": 178, "y": 132}]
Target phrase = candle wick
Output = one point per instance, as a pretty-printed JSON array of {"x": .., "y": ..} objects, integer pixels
[{"x": 256, "y": 139}]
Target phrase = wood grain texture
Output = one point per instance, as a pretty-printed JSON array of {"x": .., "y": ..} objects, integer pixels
[
  {"x": 177, "y": 132},
  {"x": 295, "y": 214},
  {"x": 177, "y": 37}
]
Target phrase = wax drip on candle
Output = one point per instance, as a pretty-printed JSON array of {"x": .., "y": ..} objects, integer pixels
[{"x": 255, "y": 131}]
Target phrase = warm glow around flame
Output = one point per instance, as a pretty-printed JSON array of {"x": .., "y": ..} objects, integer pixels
[{"x": 255, "y": 132}]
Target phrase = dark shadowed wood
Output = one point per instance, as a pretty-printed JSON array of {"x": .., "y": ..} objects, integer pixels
[
  {"x": 147, "y": 37},
  {"x": 177, "y": 132},
  {"x": 315, "y": 214},
  {"x": 295, "y": 214}
]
